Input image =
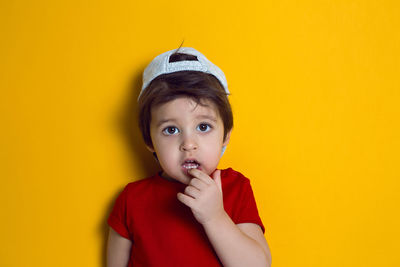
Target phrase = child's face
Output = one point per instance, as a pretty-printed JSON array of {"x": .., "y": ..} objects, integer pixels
[{"x": 186, "y": 135}]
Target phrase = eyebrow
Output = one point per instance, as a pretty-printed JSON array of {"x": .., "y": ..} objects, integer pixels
[
  {"x": 208, "y": 117},
  {"x": 164, "y": 121}
]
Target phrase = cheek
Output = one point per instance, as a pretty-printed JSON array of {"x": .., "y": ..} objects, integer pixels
[
  {"x": 213, "y": 148},
  {"x": 165, "y": 150},
  {"x": 216, "y": 139}
]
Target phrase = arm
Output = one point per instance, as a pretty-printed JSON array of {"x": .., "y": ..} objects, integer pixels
[
  {"x": 118, "y": 250},
  {"x": 254, "y": 231},
  {"x": 236, "y": 245}
]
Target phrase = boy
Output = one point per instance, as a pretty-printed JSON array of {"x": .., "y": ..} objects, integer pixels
[{"x": 189, "y": 214}]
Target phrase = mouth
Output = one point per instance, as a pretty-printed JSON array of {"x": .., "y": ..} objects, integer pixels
[{"x": 190, "y": 164}]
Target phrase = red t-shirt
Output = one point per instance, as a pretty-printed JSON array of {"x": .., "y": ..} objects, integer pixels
[{"x": 164, "y": 231}]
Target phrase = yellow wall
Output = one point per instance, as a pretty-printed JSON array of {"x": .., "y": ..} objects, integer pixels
[{"x": 315, "y": 92}]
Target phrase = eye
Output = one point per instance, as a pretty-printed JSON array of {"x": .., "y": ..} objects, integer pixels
[
  {"x": 204, "y": 127},
  {"x": 170, "y": 130}
]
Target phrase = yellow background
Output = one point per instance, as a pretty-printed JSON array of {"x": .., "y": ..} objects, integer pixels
[{"x": 315, "y": 93}]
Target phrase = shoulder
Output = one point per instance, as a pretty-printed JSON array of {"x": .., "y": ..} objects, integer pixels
[
  {"x": 234, "y": 182},
  {"x": 230, "y": 176},
  {"x": 139, "y": 187},
  {"x": 142, "y": 182}
]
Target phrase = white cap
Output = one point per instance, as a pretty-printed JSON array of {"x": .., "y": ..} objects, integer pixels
[{"x": 161, "y": 65}]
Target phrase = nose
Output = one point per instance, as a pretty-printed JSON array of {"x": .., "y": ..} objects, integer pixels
[{"x": 188, "y": 143}]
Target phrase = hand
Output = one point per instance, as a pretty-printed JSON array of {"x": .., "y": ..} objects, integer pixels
[{"x": 203, "y": 196}]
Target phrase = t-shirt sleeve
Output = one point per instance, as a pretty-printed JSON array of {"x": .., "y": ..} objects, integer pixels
[
  {"x": 247, "y": 209},
  {"x": 117, "y": 219}
]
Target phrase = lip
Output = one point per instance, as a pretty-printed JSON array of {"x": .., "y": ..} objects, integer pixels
[{"x": 186, "y": 165}]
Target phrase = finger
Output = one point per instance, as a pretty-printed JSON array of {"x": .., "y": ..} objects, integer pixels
[
  {"x": 192, "y": 191},
  {"x": 217, "y": 178},
  {"x": 200, "y": 175},
  {"x": 199, "y": 184},
  {"x": 188, "y": 201}
]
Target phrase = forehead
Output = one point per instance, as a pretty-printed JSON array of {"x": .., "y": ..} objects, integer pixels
[{"x": 184, "y": 107}]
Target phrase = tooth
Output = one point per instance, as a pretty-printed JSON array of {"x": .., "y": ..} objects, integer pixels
[{"x": 191, "y": 166}]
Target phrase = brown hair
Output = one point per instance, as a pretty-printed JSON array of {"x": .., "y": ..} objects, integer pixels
[{"x": 196, "y": 85}]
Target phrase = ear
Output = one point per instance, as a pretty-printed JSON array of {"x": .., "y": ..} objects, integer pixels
[{"x": 227, "y": 138}]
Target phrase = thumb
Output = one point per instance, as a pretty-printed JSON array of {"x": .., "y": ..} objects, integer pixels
[{"x": 217, "y": 178}]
